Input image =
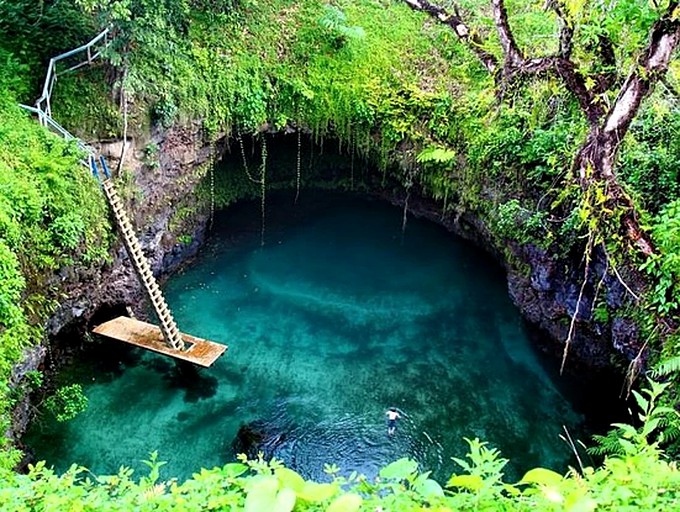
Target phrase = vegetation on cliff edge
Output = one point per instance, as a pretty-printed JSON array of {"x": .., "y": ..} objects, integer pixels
[{"x": 514, "y": 147}]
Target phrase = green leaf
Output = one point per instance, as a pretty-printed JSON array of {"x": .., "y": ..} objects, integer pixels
[
  {"x": 314, "y": 493},
  {"x": 285, "y": 501},
  {"x": 541, "y": 476},
  {"x": 262, "y": 494},
  {"x": 430, "y": 488},
  {"x": 290, "y": 479},
  {"x": 346, "y": 503},
  {"x": 435, "y": 154},
  {"x": 642, "y": 402},
  {"x": 399, "y": 469},
  {"x": 233, "y": 470},
  {"x": 471, "y": 482}
]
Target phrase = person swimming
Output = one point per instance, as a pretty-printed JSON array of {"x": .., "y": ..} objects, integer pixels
[{"x": 392, "y": 417}]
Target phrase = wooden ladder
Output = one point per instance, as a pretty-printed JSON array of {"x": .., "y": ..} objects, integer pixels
[{"x": 171, "y": 334}]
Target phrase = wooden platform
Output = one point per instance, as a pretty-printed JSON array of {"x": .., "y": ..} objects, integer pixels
[{"x": 198, "y": 351}]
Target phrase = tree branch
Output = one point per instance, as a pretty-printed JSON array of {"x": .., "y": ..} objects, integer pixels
[
  {"x": 566, "y": 28},
  {"x": 652, "y": 65},
  {"x": 573, "y": 80},
  {"x": 471, "y": 39},
  {"x": 513, "y": 55}
]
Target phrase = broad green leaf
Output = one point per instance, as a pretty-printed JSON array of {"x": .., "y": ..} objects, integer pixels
[
  {"x": 399, "y": 469},
  {"x": 261, "y": 495},
  {"x": 650, "y": 426},
  {"x": 290, "y": 479},
  {"x": 285, "y": 501},
  {"x": 552, "y": 494},
  {"x": 346, "y": 503},
  {"x": 314, "y": 493},
  {"x": 430, "y": 488},
  {"x": 577, "y": 502},
  {"x": 435, "y": 155},
  {"x": 472, "y": 482},
  {"x": 233, "y": 470},
  {"x": 642, "y": 402},
  {"x": 541, "y": 476}
]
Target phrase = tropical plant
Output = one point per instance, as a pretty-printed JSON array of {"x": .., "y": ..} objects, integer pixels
[{"x": 67, "y": 402}]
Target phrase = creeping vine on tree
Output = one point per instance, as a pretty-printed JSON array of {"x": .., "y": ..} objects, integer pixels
[{"x": 609, "y": 100}]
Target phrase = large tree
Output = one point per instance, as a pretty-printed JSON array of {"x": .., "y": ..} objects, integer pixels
[{"x": 609, "y": 84}]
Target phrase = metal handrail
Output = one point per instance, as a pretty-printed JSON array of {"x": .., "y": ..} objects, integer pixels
[
  {"x": 45, "y": 114},
  {"x": 43, "y": 103},
  {"x": 49, "y": 122}
]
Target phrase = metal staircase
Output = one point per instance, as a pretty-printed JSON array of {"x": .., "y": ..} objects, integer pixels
[{"x": 171, "y": 333}]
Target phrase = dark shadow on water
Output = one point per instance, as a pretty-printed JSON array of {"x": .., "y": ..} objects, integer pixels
[
  {"x": 189, "y": 378},
  {"x": 106, "y": 360}
]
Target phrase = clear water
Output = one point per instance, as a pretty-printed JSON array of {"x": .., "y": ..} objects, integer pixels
[{"x": 335, "y": 319}]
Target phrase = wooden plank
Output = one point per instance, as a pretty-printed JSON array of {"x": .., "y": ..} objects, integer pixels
[{"x": 141, "y": 334}]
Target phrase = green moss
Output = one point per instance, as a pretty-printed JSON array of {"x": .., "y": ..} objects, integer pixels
[{"x": 53, "y": 215}]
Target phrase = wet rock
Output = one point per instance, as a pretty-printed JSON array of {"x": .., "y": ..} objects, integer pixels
[
  {"x": 90, "y": 290},
  {"x": 625, "y": 337},
  {"x": 257, "y": 437}
]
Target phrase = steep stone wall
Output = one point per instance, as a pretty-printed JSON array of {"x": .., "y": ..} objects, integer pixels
[
  {"x": 96, "y": 294},
  {"x": 544, "y": 288}
]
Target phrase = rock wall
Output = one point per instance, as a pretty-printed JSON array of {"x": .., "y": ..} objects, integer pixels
[
  {"x": 165, "y": 172},
  {"x": 546, "y": 288},
  {"x": 92, "y": 295}
]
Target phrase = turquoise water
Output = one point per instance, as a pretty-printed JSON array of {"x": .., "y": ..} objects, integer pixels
[{"x": 335, "y": 319}]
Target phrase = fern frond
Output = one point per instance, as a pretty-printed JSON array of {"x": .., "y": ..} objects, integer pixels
[
  {"x": 667, "y": 367},
  {"x": 671, "y": 433},
  {"x": 606, "y": 445}
]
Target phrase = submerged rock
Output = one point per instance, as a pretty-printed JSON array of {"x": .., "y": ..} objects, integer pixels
[{"x": 257, "y": 437}]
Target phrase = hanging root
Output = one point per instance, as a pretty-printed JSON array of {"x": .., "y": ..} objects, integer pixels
[
  {"x": 572, "y": 325},
  {"x": 599, "y": 285},
  {"x": 404, "y": 216},
  {"x": 263, "y": 174},
  {"x": 634, "y": 367},
  {"x": 245, "y": 161},
  {"x": 124, "y": 105},
  {"x": 618, "y": 276},
  {"x": 352, "y": 148},
  {"x": 567, "y": 439},
  {"x": 212, "y": 186},
  {"x": 297, "y": 164}
]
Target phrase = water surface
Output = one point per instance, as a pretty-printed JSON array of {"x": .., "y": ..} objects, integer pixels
[{"x": 335, "y": 319}]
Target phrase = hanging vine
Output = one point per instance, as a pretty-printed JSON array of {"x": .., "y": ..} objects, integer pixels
[
  {"x": 263, "y": 182},
  {"x": 124, "y": 108},
  {"x": 298, "y": 163},
  {"x": 410, "y": 175},
  {"x": 211, "y": 172},
  {"x": 352, "y": 148},
  {"x": 239, "y": 138}
]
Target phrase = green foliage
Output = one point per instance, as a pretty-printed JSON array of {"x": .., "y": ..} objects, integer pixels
[
  {"x": 51, "y": 215},
  {"x": 372, "y": 74},
  {"x": 650, "y": 159},
  {"x": 335, "y": 22},
  {"x": 519, "y": 224},
  {"x": 34, "y": 32},
  {"x": 666, "y": 367},
  {"x": 82, "y": 101},
  {"x": 637, "y": 478},
  {"x": 67, "y": 402},
  {"x": 35, "y": 379},
  {"x": 664, "y": 266},
  {"x": 436, "y": 154}
]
